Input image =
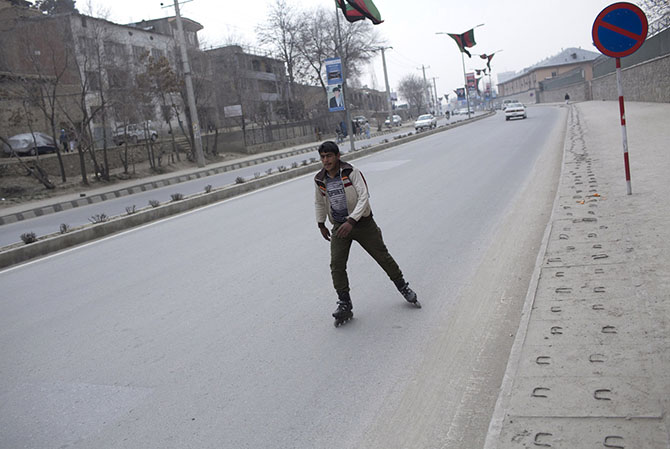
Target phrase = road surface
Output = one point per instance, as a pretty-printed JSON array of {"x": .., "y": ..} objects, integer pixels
[{"x": 212, "y": 329}]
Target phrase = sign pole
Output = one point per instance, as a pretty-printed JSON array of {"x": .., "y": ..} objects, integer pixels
[
  {"x": 620, "y": 30},
  {"x": 624, "y": 135}
]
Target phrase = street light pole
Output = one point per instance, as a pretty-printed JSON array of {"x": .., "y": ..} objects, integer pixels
[
  {"x": 347, "y": 114},
  {"x": 426, "y": 87},
  {"x": 465, "y": 78}
]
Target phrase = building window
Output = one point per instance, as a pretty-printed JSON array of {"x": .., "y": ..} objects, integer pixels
[
  {"x": 139, "y": 53},
  {"x": 256, "y": 65},
  {"x": 93, "y": 81},
  {"x": 157, "y": 53},
  {"x": 117, "y": 78},
  {"x": 114, "y": 49}
]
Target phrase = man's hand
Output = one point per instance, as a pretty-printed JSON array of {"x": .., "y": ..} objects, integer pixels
[
  {"x": 344, "y": 230},
  {"x": 325, "y": 233}
]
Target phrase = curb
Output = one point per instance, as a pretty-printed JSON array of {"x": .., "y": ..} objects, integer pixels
[
  {"x": 56, "y": 242},
  {"x": 514, "y": 360}
]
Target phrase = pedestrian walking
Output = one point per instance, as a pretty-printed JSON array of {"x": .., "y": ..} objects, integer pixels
[
  {"x": 341, "y": 194},
  {"x": 567, "y": 98},
  {"x": 367, "y": 130},
  {"x": 64, "y": 140}
]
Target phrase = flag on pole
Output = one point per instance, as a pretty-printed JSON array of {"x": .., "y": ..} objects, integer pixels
[
  {"x": 465, "y": 40},
  {"x": 354, "y": 10},
  {"x": 489, "y": 57},
  {"x": 351, "y": 14}
]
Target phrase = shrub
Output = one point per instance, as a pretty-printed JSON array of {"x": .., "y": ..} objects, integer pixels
[
  {"x": 154, "y": 203},
  {"x": 257, "y": 175},
  {"x": 282, "y": 168},
  {"x": 239, "y": 180},
  {"x": 29, "y": 237},
  {"x": 208, "y": 188},
  {"x": 177, "y": 196},
  {"x": 64, "y": 228},
  {"x": 98, "y": 218},
  {"x": 268, "y": 171},
  {"x": 131, "y": 209},
  {"x": 294, "y": 165}
]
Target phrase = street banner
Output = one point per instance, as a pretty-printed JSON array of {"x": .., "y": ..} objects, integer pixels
[
  {"x": 335, "y": 98},
  {"x": 471, "y": 81},
  {"x": 333, "y": 71},
  {"x": 460, "y": 93}
]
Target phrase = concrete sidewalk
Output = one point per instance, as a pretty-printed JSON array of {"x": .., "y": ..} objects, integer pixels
[{"x": 590, "y": 366}]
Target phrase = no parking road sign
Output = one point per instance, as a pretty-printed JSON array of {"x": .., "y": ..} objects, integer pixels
[{"x": 619, "y": 30}]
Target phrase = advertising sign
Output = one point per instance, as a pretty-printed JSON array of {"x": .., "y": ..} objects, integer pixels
[
  {"x": 334, "y": 71},
  {"x": 334, "y": 79},
  {"x": 335, "y": 98},
  {"x": 471, "y": 81}
]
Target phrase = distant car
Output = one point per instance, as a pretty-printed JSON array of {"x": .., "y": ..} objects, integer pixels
[
  {"x": 514, "y": 110},
  {"x": 396, "y": 120},
  {"x": 360, "y": 119},
  {"x": 30, "y": 143},
  {"x": 426, "y": 121},
  {"x": 506, "y": 103},
  {"x": 463, "y": 111},
  {"x": 134, "y": 133}
]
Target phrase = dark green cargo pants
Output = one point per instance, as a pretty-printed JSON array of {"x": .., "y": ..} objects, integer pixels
[{"x": 369, "y": 236}]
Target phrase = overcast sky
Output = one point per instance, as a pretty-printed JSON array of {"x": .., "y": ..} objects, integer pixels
[{"x": 527, "y": 31}]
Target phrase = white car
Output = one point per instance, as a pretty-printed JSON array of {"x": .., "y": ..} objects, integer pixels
[
  {"x": 397, "y": 121},
  {"x": 133, "y": 133},
  {"x": 426, "y": 121},
  {"x": 513, "y": 110}
]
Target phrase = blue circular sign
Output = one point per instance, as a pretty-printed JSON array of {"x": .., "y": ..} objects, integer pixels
[{"x": 620, "y": 29}]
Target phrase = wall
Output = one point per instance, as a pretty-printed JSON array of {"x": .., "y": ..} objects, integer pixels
[{"x": 649, "y": 81}]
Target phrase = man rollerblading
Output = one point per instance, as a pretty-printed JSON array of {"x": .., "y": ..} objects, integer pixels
[{"x": 341, "y": 194}]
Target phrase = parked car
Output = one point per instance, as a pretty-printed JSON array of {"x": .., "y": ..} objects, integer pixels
[
  {"x": 426, "y": 121},
  {"x": 515, "y": 110},
  {"x": 30, "y": 143},
  {"x": 135, "y": 132},
  {"x": 395, "y": 121}
]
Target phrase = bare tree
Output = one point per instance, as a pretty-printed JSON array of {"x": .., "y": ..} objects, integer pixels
[
  {"x": 319, "y": 40},
  {"x": 281, "y": 33},
  {"x": 413, "y": 89},
  {"x": 50, "y": 61}
]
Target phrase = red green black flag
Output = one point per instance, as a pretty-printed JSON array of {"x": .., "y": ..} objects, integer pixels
[
  {"x": 351, "y": 14},
  {"x": 465, "y": 40},
  {"x": 354, "y": 10},
  {"x": 489, "y": 57}
]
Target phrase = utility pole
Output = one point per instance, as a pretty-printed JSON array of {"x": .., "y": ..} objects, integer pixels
[
  {"x": 199, "y": 155},
  {"x": 426, "y": 86},
  {"x": 389, "y": 103},
  {"x": 437, "y": 103}
]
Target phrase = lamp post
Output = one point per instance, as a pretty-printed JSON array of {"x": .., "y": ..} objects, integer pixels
[{"x": 467, "y": 94}]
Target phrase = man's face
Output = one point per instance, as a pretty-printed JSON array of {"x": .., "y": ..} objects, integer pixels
[
  {"x": 330, "y": 161},
  {"x": 336, "y": 93}
]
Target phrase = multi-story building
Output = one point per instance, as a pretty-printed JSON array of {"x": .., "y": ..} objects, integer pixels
[
  {"x": 101, "y": 68},
  {"x": 249, "y": 82},
  {"x": 526, "y": 84}
]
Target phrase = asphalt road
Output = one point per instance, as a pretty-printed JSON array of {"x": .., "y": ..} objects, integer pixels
[
  {"x": 212, "y": 329},
  {"x": 47, "y": 224}
]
